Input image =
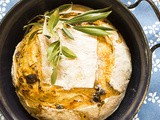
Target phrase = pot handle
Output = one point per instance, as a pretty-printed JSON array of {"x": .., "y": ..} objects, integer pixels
[
  {"x": 156, "y": 10},
  {"x": 154, "y": 7},
  {"x": 155, "y": 47}
]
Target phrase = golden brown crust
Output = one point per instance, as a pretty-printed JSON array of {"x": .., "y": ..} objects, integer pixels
[
  {"x": 111, "y": 104},
  {"x": 40, "y": 99}
]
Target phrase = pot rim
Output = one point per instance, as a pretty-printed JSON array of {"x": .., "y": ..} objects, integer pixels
[{"x": 20, "y": 3}]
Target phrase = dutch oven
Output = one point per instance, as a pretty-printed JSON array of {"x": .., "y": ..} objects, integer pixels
[{"x": 11, "y": 33}]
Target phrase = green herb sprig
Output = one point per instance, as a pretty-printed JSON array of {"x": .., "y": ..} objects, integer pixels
[
  {"x": 53, "y": 20},
  {"x": 88, "y": 18},
  {"x": 54, "y": 54},
  {"x": 67, "y": 32},
  {"x": 55, "y": 51},
  {"x": 96, "y": 31}
]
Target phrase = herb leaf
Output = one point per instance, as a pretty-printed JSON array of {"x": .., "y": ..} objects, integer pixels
[
  {"x": 98, "y": 27},
  {"x": 35, "y": 18},
  {"x": 33, "y": 24},
  {"x": 68, "y": 53},
  {"x": 47, "y": 36},
  {"x": 54, "y": 76},
  {"x": 56, "y": 60},
  {"x": 92, "y": 31},
  {"x": 53, "y": 56},
  {"x": 52, "y": 47},
  {"x": 62, "y": 8},
  {"x": 45, "y": 30},
  {"x": 88, "y": 18},
  {"x": 63, "y": 19},
  {"x": 64, "y": 29},
  {"x": 33, "y": 34},
  {"x": 94, "y": 11},
  {"x": 53, "y": 20}
]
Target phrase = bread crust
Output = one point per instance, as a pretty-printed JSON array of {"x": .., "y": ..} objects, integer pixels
[{"x": 119, "y": 81}]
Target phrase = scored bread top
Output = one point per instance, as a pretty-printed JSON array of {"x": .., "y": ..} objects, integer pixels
[{"x": 111, "y": 71}]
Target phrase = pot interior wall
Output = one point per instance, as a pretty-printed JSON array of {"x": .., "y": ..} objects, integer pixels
[{"x": 11, "y": 33}]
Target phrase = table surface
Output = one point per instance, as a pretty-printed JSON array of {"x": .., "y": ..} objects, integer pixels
[{"x": 150, "y": 109}]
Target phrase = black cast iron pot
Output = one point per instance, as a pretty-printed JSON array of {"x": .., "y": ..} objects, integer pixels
[{"x": 11, "y": 33}]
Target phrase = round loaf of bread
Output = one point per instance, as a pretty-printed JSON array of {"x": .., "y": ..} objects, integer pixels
[{"x": 90, "y": 87}]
